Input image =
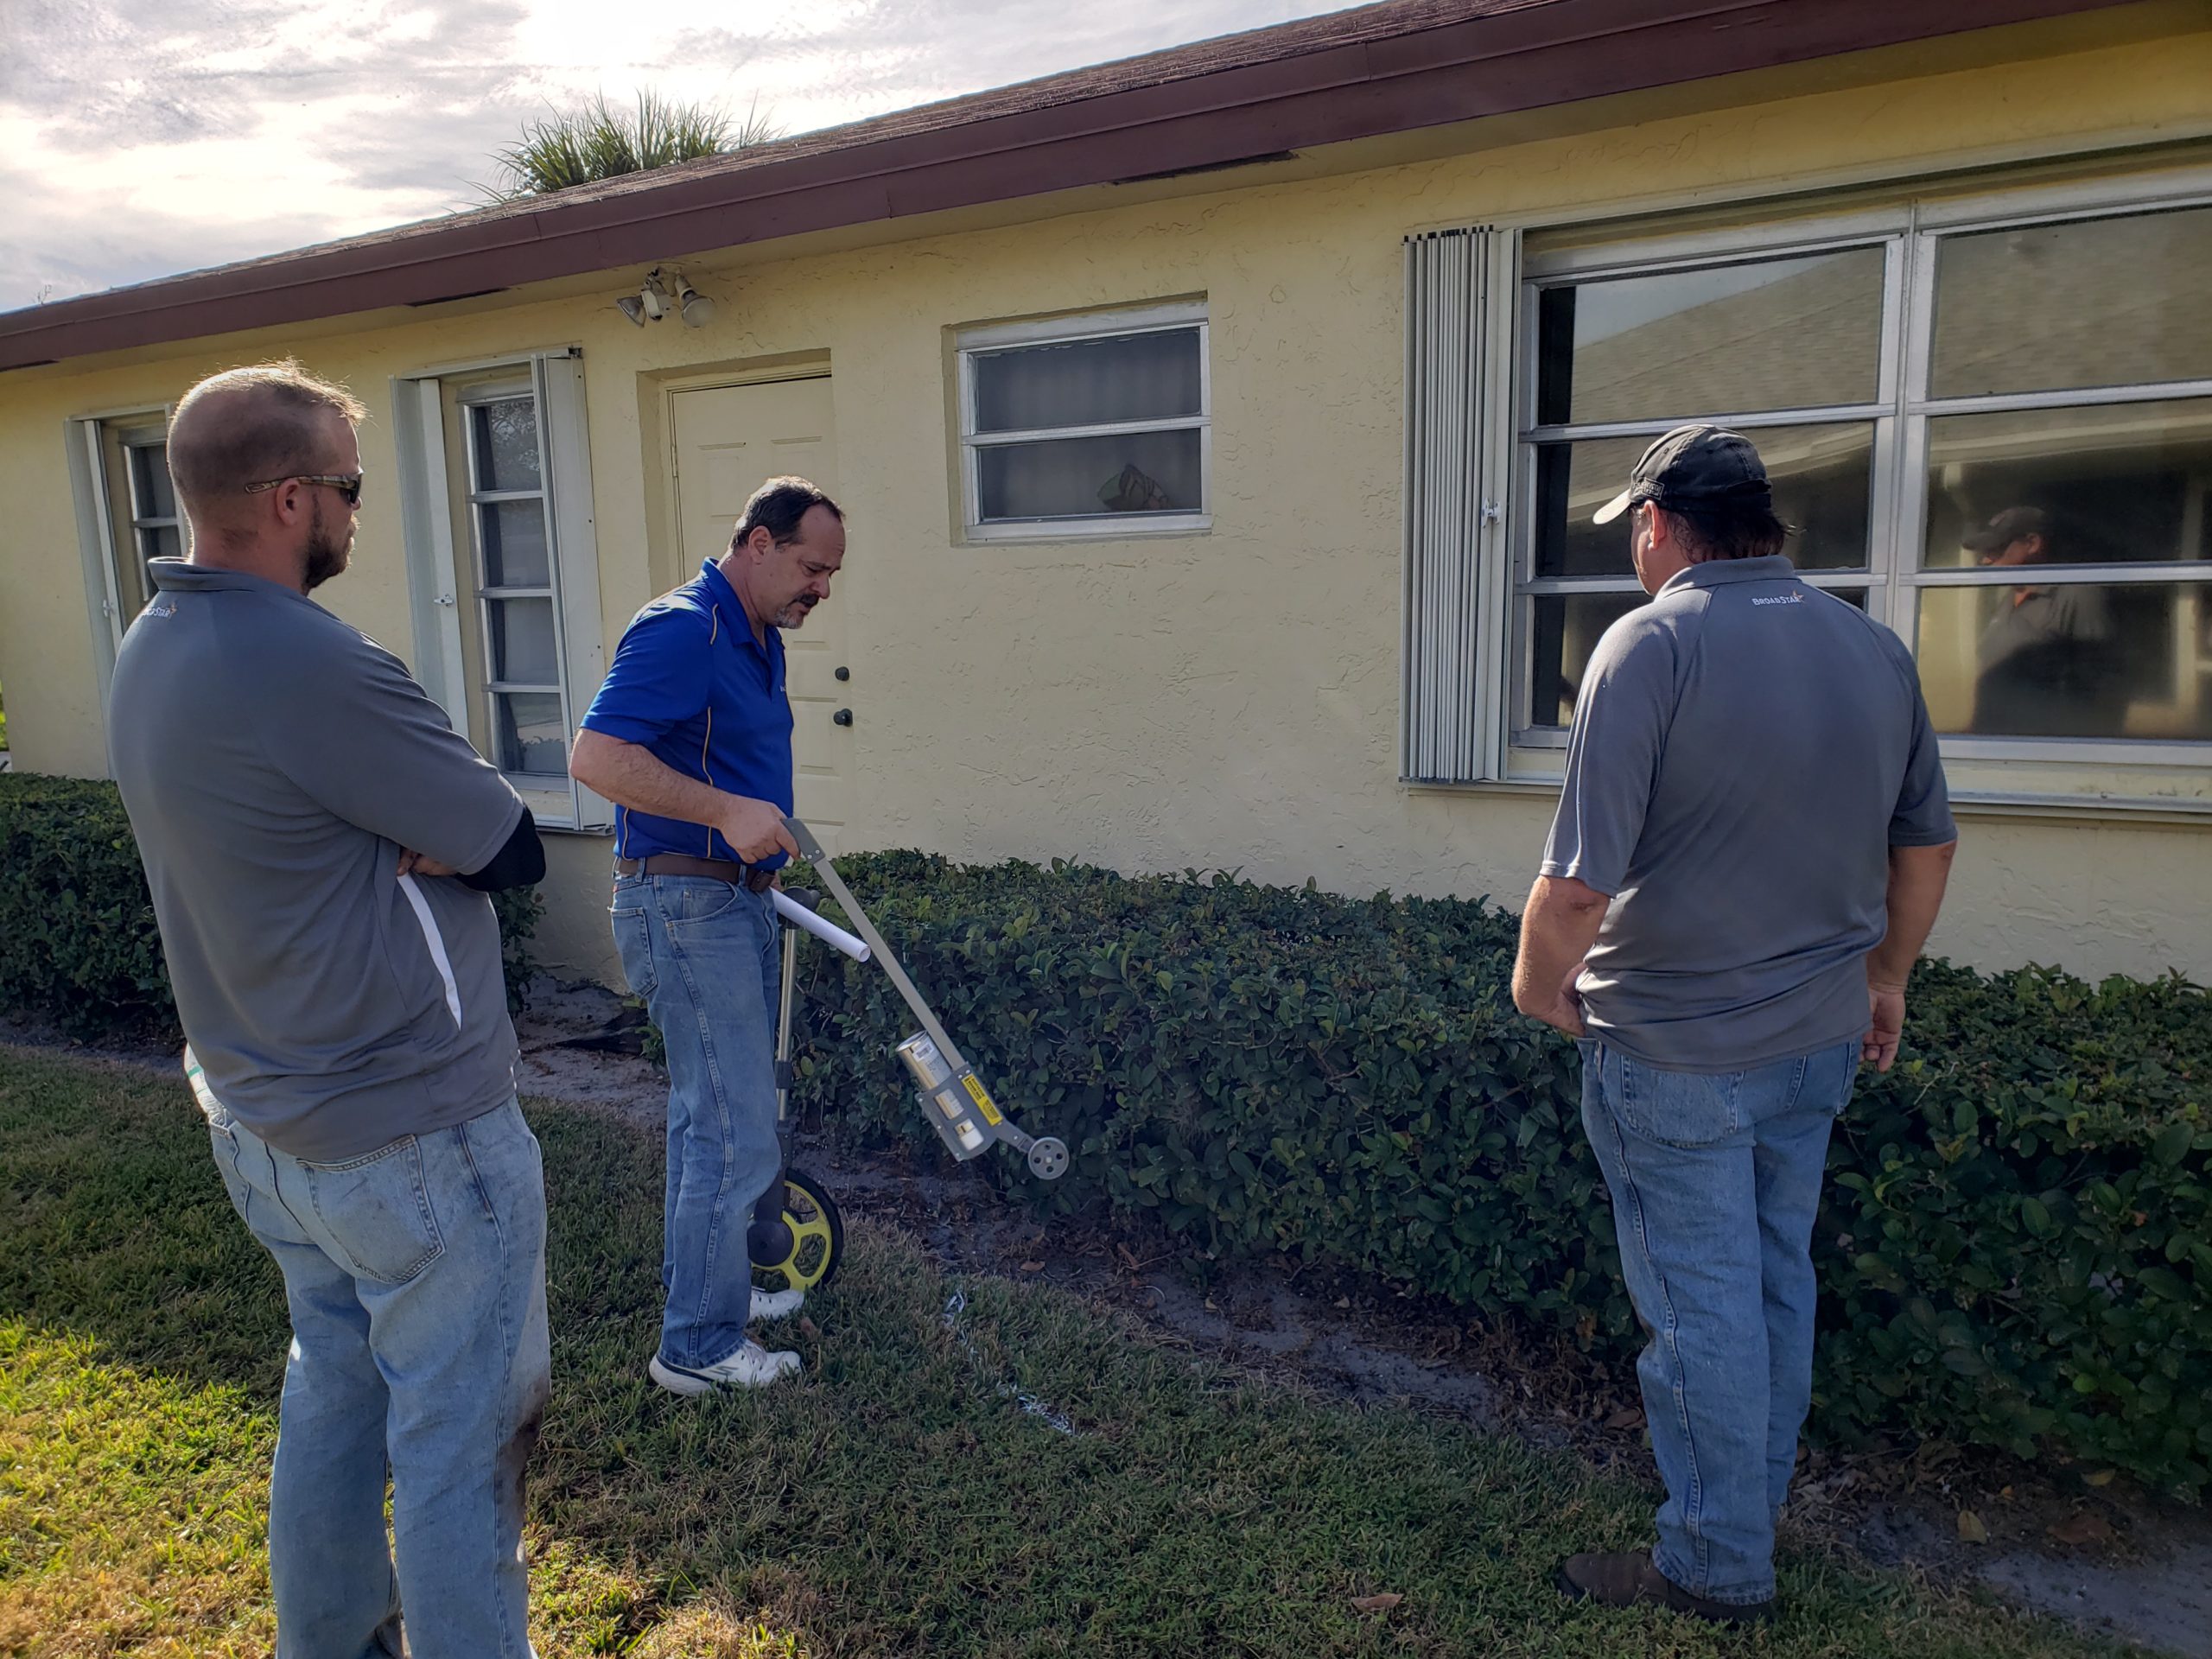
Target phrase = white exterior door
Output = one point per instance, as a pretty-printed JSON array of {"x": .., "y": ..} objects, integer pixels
[{"x": 729, "y": 440}]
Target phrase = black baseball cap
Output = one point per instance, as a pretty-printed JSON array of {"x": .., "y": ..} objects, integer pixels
[
  {"x": 1692, "y": 469},
  {"x": 2013, "y": 525}
]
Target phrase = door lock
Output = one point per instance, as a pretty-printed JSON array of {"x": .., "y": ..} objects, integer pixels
[
  {"x": 842, "y": 717},
  {"x": 844, "y": 673}
]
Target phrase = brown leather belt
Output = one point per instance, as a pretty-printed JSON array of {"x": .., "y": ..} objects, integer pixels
[{"x": 751, "y": 877}]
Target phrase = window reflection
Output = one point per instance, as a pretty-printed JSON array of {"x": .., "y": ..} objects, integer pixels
[
  {"x": 2067, "y": 659},
  {"x": 2122, "y": 484},
  {"x": 1075, "y": 478},
  {"x": 1822, "y": 477},
  {"x": 532, "y": 740},
  {"x": 1566, "y": 629},
  {"x": 1779, "y": 333},
  {"x": 1088, "y": 382},
  {"x": 523, "y": 648},
  {"x": 506, "y": 444},
  {"x": 2089, "y": 618},
  {"x": 155, "y": 497},
  {"x": 156, "y": 529},
  {"x": 515, "y": 551},
  {"x": 2097, "y": 303}
]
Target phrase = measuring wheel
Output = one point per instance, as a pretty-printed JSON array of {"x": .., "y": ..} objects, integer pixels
[
  {"x": 1048, "y": 1157},
  {"x": 803, "y": 1253}
]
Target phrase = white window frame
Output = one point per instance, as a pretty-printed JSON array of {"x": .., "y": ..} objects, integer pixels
[
  {"x": 1537, "y": 752},
  {"x": 103, "y": 543},
  {"x": 441, "y": 568},
  {"x": 478, "y": 395},
  {"x": 134, "y": 443},
  {"x": 1113, "y": 526},
  {"x": 2103, "y": 774}
]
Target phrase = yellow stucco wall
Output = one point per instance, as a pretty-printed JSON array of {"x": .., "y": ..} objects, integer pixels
[{"x": 1224, "y": 700}]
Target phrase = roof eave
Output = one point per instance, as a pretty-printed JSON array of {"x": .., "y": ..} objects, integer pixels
[{"x": 1503, "y": 62}]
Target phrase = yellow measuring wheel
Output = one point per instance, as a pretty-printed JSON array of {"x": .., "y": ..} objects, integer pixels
[
  {"x": 953, "y": 1097},
  {"x": 815, "y": 1234},
  {"x": 796, "y": 1237}
]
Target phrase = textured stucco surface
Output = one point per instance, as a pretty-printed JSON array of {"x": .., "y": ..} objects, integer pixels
[{"x": 1220, "y": 700}]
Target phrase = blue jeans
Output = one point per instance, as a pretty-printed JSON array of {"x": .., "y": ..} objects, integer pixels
[
  {"x": 704, "y": 954},
  {"x": 416, "y": 1278},
  {"x": 1715, "y": 1181}
]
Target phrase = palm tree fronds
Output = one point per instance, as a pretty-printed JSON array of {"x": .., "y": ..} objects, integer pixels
[{"x": 563, "y": 150}]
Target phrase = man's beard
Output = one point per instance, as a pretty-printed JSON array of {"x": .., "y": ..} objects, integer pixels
[
  {"x": 793, "y": 614},
  {"x": 326, "y": 557}
]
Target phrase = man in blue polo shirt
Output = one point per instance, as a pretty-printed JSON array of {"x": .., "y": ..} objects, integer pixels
[{"x": 690, "y": 737}]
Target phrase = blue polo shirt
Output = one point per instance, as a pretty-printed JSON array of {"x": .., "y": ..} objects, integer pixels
[{"x": 690, "y": 683}]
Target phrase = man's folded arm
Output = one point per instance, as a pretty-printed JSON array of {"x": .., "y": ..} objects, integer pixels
[
  {"x": 365, "y": 741},
  {"x": 519, "y": 863}
]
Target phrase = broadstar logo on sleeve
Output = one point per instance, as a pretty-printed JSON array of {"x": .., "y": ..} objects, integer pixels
[{"x": 1782, "y": 599}]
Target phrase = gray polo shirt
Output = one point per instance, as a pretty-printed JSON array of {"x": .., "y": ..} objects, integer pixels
[
  {"x": 274, "y": 761},
  {"x": 1746, "y": 750},
  {"x": 2049, "y": 665}
]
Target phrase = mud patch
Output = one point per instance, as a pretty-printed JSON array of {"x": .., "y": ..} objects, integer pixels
[
  {"x": 2165, "y": 1602},
  {"x": 573, "y": 1037}
]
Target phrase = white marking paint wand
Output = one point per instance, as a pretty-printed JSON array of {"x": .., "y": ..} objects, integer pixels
[{"x": 828, "y": 931}]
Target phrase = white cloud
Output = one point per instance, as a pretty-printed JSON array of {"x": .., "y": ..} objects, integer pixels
[{"x": 142, "y": 137}]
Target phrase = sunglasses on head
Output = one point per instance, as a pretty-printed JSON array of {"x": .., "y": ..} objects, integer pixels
[{"x": 346, "y": 484}]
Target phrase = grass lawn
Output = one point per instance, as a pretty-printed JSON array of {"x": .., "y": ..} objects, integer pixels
[{"x": 892, "y": 1503}]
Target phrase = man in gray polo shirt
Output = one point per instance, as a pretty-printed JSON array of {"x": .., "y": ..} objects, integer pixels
[
  {"x": 318, "y": 844},
  {"x": 1752, "y": 845}
]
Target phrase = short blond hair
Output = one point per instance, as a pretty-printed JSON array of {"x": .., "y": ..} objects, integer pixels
[{"x": 247, "y": 425}]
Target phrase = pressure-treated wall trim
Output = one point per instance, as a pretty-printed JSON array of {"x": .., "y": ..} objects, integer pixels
[{"x": 1395, "y": 68}]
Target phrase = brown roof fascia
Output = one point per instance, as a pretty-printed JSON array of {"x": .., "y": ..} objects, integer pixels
[{"x": 1406, "y": 64}]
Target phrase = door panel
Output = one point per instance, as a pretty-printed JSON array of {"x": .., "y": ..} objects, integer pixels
[{"x": 729, "y": 440}]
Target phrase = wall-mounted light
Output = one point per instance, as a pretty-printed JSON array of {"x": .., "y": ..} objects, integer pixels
[
  {"x": 698, "y": 309},
  {"x": 663, "y": 292}
]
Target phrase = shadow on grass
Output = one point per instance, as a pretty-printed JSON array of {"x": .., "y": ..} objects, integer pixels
[
  {"x": 131, "y": 1520},
  {"x": 895, "y": 1500}
]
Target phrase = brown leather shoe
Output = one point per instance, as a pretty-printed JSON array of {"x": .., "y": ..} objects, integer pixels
[{"x": 1629, "y": 1578}]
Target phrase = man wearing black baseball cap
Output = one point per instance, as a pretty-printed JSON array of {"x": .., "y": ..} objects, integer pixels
[
  {"x": 1701, "y": 470},
  {"x": 1752, "y": 842},
  {"x": 2048, "y": 662}
]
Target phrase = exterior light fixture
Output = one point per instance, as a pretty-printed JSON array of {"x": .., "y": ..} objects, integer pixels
[
  {"x": 654, "y": 301},
  {"x": 698, "y": 309}
]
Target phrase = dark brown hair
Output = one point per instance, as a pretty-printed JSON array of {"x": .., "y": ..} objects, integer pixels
[
  {"x": 1729, "y": 532},
  {"x": 777, "y": 506}
]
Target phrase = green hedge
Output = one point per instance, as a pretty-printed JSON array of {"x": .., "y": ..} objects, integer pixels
[
  {"x": 2017, "y": 1250},
  {"x": 79, "y": 945},
  {"x": 2017, "y": 1246}
]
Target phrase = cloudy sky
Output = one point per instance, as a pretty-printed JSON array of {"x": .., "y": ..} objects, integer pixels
[{"x": 141, "y": 137}]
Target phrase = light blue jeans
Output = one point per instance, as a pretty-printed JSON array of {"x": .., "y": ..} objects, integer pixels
[
  {"x": 1715, "y": 1180},
  {"x": 416, "y": 1277},
  {"x": 704, "y": 954}
]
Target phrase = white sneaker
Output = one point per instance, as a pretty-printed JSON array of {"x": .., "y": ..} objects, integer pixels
[
  {"x": 751, "y": 1367},
  {"x": 775, "y": 1305}
]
